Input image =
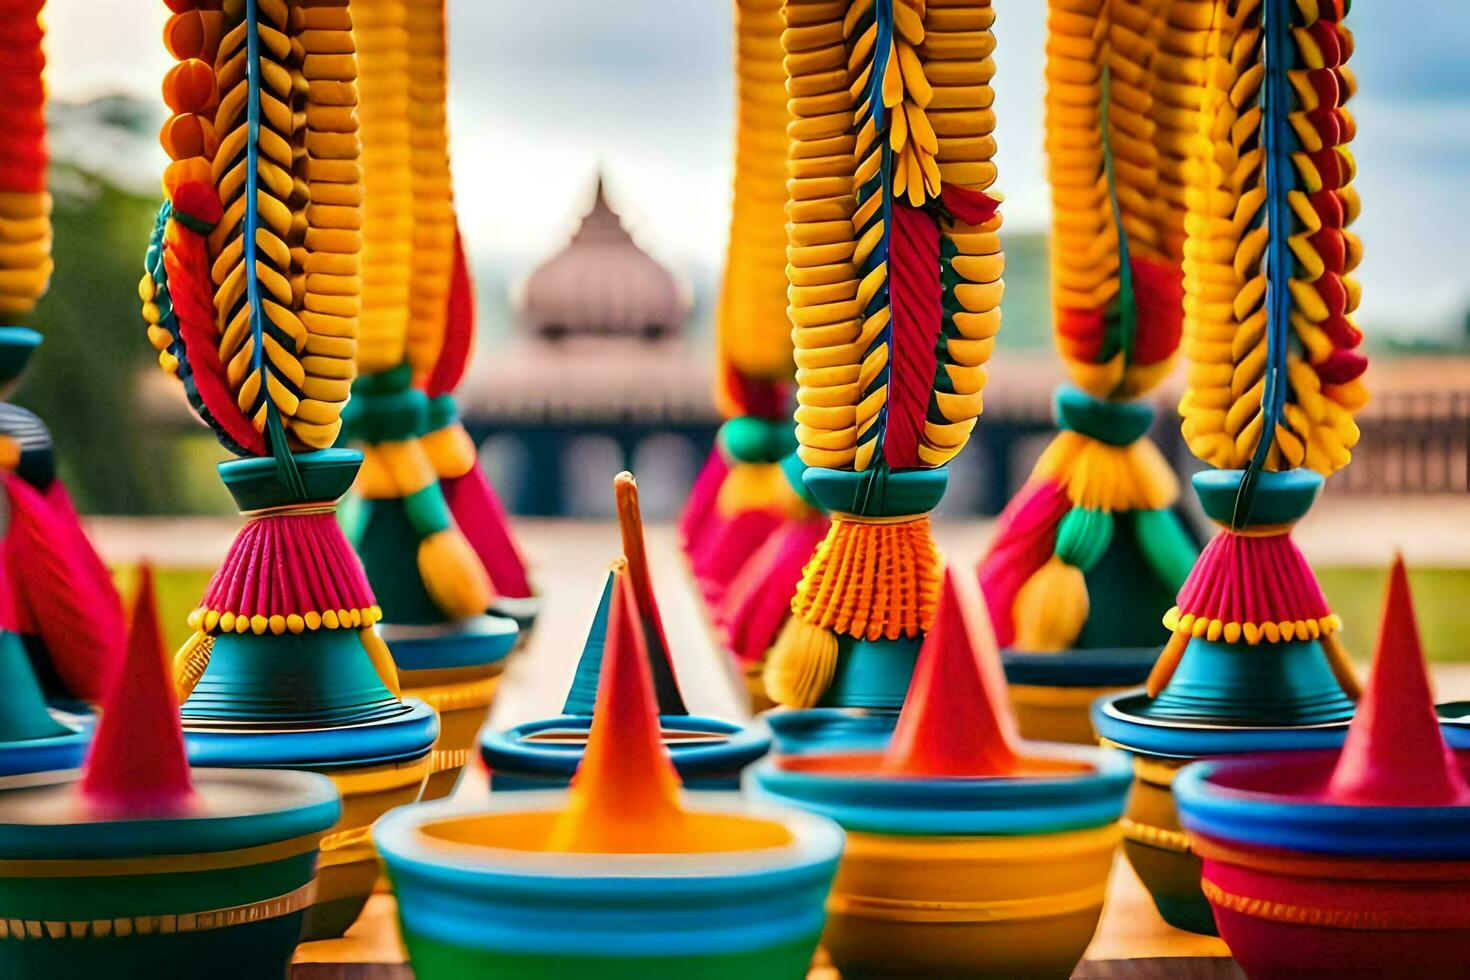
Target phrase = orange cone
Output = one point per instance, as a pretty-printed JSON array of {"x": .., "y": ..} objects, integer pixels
[
  {"x": 624, "y": 798},
  {"x": 137, "y": 764},
  {"x": 1395, "y": 753},
  {"x": 956, "y": 720}
]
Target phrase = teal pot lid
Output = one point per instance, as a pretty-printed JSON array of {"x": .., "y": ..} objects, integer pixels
[
  {"x": 407, "y": 734},
  {"x": 1120, "y": 719}
]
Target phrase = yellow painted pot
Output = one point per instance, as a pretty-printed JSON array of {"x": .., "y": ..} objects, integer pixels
[
  {"x": 1056, "y": 714},
  {"x": 348, "y": 867},
  {"x": 462, "y": 697},
  {"x": 1158, "y": 847},
  {"x": 967, "y": 906}
]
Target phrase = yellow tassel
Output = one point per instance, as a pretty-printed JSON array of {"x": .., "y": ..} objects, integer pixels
[
  {"x": 1099, "y": 476},
  {"x": 872, "y": 579},
  {"x": 1051, "y": 608},
  {"x": 190, "y": 663},
  {"x": 382, "y": 659},
  {"x": 759, "y": 486},
  {"x": 453, "y": 575},
  {"x": 451, "y": 451},
  {"x": 800, "y": 666},
  {"x": 1168, "y": 661},
  {"x": 1341, "y": 664}
]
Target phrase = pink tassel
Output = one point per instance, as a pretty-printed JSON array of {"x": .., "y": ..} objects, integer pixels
[
  {"x": 306, "y": 555},
  {"x": 759, "y": 598},
  {"x": 481, "y": 518},
  {"x": 1244, "y": 579},
  {"x": 1025, "y": 536},
  {"x": 700, "y": 511},
  {"x": 730, "y": 547},
  {"x": 62, "y": 592}
]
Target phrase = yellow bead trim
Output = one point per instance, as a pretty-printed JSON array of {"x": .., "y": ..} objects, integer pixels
[
  {"x": 214, "y": 621},
  {"x": 147, "y": 925},
  {"x": 1252, "y": 633},
  {"x": 985, "y": 910},
  {"x": 1151, "y": 836},
  {"x": 442, "y": 760},
  {"x": 1375, "y": 919}
]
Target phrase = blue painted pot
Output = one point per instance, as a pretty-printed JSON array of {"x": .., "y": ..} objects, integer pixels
[
  {"x": 708, "y": 753},
  {"x": 477, "y": 896}
]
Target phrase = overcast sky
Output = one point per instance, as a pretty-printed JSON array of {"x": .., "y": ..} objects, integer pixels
[{"x": 546, "y": 91}]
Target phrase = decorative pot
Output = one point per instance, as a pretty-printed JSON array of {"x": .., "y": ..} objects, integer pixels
[{"x": 480, "y": 896}]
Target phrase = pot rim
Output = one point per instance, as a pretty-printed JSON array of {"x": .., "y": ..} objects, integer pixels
[
  {"x": 1003, "y": 805},
  {"x": 400, "y": 838},
  {"x": 508, "y": 751},
  {"x": 45, "y": 820},
  {"x": 1265, "y": 819}
]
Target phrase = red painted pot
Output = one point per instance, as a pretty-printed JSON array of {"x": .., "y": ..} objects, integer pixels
[{"x": 1298, "y": 914}]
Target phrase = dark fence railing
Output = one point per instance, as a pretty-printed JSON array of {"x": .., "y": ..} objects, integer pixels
[{"x": 1413, "y": 442}]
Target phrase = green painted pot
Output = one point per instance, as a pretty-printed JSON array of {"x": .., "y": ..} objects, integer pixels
[{"x": 219, "y": 891}]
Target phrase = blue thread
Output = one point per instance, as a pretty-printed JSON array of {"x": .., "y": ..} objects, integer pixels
[{"x": 1277, "y": 139}]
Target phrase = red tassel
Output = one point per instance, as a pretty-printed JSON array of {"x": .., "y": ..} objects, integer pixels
[
  {"x": 137, "y": 765},
  {"x": 62, "y": 591},
  {"x": 23, "y": 155},
  {"x": 914, "y": 294},
  {"x": 481, "y": 518},
  {"x": 186, "y": 262},
  {"x": 290, "y": 564},
  {"x": 700, "y": 511},
  {"x": 758, "y": 600},
  {"x": 1249, "y": 579},
  {"x": 730, "y": 547},
  {"x": 1158, "y": 293},
  {"x": 1025, "y": 537},
  {"x": 459, "y": 327}
]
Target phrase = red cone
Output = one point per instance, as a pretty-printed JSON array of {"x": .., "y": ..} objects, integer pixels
[
  {"x": 137, "y": 764},
  {"x": 956, "y": 720},
  {"x": 1395, "y": 753}
]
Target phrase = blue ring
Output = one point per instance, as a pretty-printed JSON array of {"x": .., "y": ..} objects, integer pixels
[
  {"x": 312, "y": 806},
  {"x": 508, "y": 751},
  {"x": 1116, "y": 724},
  {"x": 52, "y": 752},
  {"x": 402, "y": 738},
  {"x": 1004, "y": 806},
  {"x": 1267, "y": 820}
]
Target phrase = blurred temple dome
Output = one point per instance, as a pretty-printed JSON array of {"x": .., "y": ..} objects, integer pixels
[{"x": 603, "y": 285}]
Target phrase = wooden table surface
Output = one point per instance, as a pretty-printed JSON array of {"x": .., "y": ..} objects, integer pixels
[{"x": 571, "y": 559}]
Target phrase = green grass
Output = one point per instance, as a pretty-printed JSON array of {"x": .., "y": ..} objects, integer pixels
[{"x": 1440, "y": 594}]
